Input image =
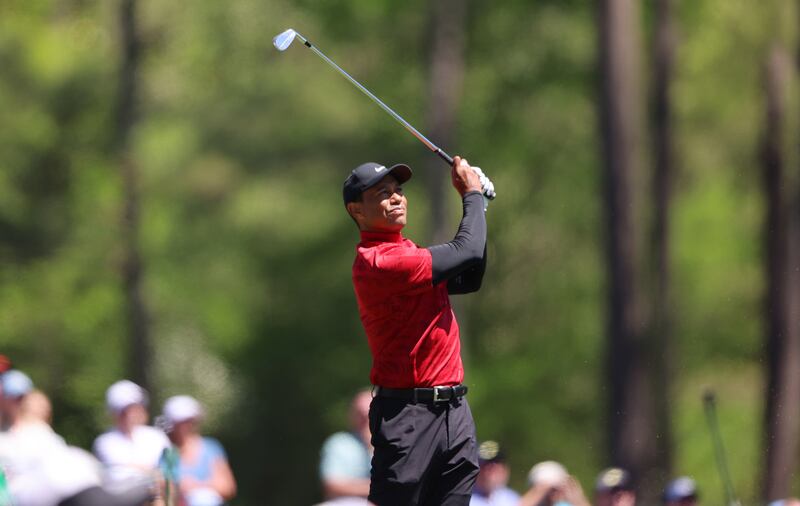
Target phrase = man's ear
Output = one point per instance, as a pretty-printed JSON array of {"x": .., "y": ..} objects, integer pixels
[{"x": 354, "y": 208}]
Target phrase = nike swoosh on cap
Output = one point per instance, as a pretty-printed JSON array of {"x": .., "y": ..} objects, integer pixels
[{"x": 378, "y": 169}]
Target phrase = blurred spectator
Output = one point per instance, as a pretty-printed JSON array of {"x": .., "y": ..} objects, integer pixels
[
  {"x": 614, "y": 487},
  {"x": 681, "y": 492},
  {"x": 41, "y": 469},
  {"x": 5, "y": 365},
  {"x": 789, "y": 501},
  {"x": 199, "y": 465},
  {"x": 31, "y": 433},
  {"x": 131, "y": 449},
  {"x": 36, "y": 409},
  {"x": 15, "y": 386},
  {"x": 491, "y": 485},
  {"x": 551, "y": 485},
  {"x": 345, "y": 461}
]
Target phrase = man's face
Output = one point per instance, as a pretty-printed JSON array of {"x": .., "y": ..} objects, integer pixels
[
  {"x": 382, "y": 207},
  {"x": 181, "y": 430},
  {"x": 492, "y": 476},
  {"x": 132, "y": 416}
]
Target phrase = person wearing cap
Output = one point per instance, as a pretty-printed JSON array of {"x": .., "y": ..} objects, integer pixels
[
  {"x": 789, "y": 501},
  {"x": 614, "y": 487},
  {"x": 681, "y": 491},
  {"x": 491, "y": 487},
  {"x": 29, "y": 440},
  {"x": 423, "y": 433},
  {"x": 551, "y": 485},
  {"x": 201, "y": 468},
  {"x": 345, "y": 456},
  {"x": 14, "y": 386},
  {"x": 131, "y": 449},
  {"x": 5, "y": 365},
  {"x": 41, "y": 468}
]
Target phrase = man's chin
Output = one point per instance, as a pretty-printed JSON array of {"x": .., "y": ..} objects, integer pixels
[{"x": 395, "y": 220}]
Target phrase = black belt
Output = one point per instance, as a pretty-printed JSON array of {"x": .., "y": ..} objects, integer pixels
[{"x": 434, "y": 394}]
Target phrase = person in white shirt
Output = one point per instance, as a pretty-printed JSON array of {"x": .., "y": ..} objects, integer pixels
[
  {"x": 131, "y": 450},
  {"x": 41, "y": 469},
  {"x": 30, "y": 438},
  {"x": 15, "y": 385}
]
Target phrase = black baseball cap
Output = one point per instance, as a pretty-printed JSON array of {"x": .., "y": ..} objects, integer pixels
[{"x": 368, "y": 174}]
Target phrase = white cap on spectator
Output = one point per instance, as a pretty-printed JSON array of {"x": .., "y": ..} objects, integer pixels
[
  {"x": 548, "y": 472},
  {"x": 180, "y": 408},
  {"x": 124, "y": 393},
  {"x": 16, "y": 383}
]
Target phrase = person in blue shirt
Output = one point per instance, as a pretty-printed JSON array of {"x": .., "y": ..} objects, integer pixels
[
  {"x": 197, "y": 464},
  {"x": 345, "y": 459}
]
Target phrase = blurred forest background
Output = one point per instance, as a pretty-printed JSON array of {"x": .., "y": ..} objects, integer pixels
[{"x": 170, "y": 212}]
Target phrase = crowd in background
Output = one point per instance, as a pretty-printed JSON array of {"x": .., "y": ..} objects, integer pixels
[
  {"x": 130, "y": 464},
  {"x": 345, "y": 467},
  {"x": 134, "y": 463}
]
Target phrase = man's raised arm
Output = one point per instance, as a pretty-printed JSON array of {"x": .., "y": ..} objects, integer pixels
[{"x": 462, "y": 261}]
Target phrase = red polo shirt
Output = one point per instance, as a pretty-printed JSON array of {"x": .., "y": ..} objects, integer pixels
[{"x": 410, "y": 325}]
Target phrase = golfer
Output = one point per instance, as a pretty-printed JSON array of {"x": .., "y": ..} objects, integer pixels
[{"x": 422, "y": 429}]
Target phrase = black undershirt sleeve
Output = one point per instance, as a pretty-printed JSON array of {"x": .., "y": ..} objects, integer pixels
[
  {"x": 462, "y": 261},
  {"x": 470, "y": 280}
]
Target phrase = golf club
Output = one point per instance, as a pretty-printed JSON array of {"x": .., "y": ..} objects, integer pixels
[
  {"x": 709, "y": 404},
  {"x": 284, "y": 39}
]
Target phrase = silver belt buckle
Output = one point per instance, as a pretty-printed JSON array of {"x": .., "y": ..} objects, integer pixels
[{"x": 436, "y": 391}]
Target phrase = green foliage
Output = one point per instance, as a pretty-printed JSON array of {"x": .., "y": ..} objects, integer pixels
[{"x": 247, "y": 249}]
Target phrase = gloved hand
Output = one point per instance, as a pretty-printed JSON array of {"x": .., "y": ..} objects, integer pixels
[{"x": 486, "y": 186}]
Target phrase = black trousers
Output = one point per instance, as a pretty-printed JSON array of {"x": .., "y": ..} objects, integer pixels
[{"x": 425, "y": 453}]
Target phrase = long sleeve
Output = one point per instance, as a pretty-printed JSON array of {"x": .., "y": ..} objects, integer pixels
[
  {"x": 470, "y": 280},
  {"x": 462, "y": 261}
]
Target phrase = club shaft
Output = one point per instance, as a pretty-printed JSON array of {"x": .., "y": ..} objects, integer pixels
[
  {"x": 430, "y": 145},
  {"x": 719, "y": 451}
]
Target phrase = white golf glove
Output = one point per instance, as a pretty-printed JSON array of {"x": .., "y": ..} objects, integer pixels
[{"x": 487, "y": 187}]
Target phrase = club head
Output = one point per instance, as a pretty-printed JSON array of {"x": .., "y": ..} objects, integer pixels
[{"x": 284, "y": 39}]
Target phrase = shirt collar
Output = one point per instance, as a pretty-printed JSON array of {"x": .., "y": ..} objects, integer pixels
[{"x": 381, "y": 237}]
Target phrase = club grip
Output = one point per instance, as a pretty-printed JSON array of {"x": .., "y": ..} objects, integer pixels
[{"x": 444, "y": 156}]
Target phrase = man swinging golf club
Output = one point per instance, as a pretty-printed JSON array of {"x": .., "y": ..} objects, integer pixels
[
  {"x": 423, "y": 433},
  {"x": 422, "y": 429}
]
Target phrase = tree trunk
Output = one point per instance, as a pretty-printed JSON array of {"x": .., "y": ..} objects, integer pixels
[
  {"x": 665, "y": 40},
  {"x": 781, "y": 318},
  {"x": 448, "y": 27},
  {"x": 132, "y": 268},
  {"x": 631, "y": 412},
  {"x": 448, "y": 21}
]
